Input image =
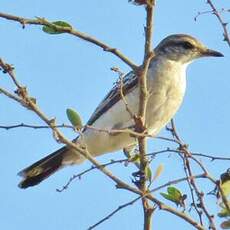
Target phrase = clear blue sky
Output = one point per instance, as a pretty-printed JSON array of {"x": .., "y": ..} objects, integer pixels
[{"x": 63, "y": 71}]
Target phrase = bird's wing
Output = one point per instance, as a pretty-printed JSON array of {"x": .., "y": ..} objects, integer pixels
[{"x": 129, "y": 82}]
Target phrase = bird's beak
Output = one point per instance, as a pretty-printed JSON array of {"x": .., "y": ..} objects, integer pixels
[{"x": 212, "y": 53}]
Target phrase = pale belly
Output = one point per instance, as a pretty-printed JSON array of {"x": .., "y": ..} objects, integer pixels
[{"x": 161, "y": 108}]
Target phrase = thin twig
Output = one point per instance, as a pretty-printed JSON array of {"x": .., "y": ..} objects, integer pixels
[
  {"x": 192, "y": 184},
  {"x": 223, "y": 24},
  {"x": 83, "y": 152},
  {"x": 121, "y": 86},
  {"x": 74, "y": 32},
  {"x": 79, "y": 175},
  {"x": 176, "y": 181},
  {"x": 23, "y": 125},
  {"x": 113, "y": 213},
  {"x": 210, "y": 12},
  {"x": 113, "y": 131}
]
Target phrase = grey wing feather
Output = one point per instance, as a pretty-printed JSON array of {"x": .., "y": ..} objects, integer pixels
[{"x": 129, "y": 81}]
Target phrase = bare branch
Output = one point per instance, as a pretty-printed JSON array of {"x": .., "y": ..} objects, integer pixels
[
  {"x": 79, "y": 175},
  {"x": 11, "y": 96},
  {"x": 74, "y": 32},
  {"x": 176, "y": 181},
  {"x": 113, "y": 213},
  {"x": 29, "y": 103},
  {"x": 140, "y": 120},
  {"x": 121, "y": 86},
  {"x": 192, "y": 184},
  {"x": 210, "y": 12},
  {"x": 23, "y": 125},
  {"x": 223, "y": 24}
]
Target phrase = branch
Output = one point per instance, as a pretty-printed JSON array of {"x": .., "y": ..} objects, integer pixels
[
  {"x": 24, "y": 98},
  {"x": 121, "y": 87},
  {"x": 113, "y": 213},
  {"x": 140, "y": 122},
  {"x": 79, "y": 175},
  {"x": 149, "y": 27},
  {"x": 210, "y": 12},
  {"x": 11, "y": 96},
  {"x": 138, "y": 198},
  {"x": 23, "y": 125},
  {"x": 192, "y": 184},
  {"x": 113, "y": 131},
  {"x": 176, "y": 181},
  {"x": 74, "y": 32},
  {"x": 223, "y": 24}
]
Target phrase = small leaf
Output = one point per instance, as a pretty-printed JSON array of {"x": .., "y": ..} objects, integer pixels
[
  {"x": 175, "y": 196},
  {"x": 174, "y": 192},
  {"x": 52, "y": 30},
  {"x": 74, "y": 118},
  {"x": 167, "y": 196},
  {"x": 226, "y": 188},
  {"x": 148, "y": 173},
  {"x": 158, "y": 172},
  {"x": 225, "y": 224}
]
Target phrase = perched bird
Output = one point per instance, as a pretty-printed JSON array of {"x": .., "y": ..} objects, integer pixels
[{"x": 166, "y": 83}]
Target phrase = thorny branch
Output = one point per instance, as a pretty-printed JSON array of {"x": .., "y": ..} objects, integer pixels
[
  {"x": 113, "y": 213},
  {"x": 221, "y": 20},
  {"x": 210, "y": 12},
  {"x": 25, "y": 99},
  {"x": 212, "y": 157},
  {"x": 138, "y": 198},
  {"x": 70, "y": 30},
  {"x": 186, "y": 155}
]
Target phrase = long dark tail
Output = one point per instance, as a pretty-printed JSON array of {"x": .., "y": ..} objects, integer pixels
[{"x": 42, "y": 169}]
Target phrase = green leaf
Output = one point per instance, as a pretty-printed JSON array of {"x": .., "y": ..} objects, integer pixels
[
  {"x": 225, "y": 224},
  {"x": 52, "y": 30},
  {"x": 149, "y": 173},
  {"x": 174, "y": 192},
  {"x": 167, "y": 196},
  {"x": 74, "y": 118},
  {"x": 226, "y": 188},
  {"x": 174, "y": 195}
]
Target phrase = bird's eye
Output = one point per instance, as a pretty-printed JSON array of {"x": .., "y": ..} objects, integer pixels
[{"x": 187, "y": 45}]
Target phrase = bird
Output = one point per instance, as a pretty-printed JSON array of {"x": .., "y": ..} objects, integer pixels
[{"x": 166, "y": 85}]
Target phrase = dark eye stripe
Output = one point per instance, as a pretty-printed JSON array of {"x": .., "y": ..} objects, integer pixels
[{"x": 186, "y": 45}]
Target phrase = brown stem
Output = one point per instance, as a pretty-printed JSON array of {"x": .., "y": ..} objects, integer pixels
[
  {"x": 223, "y": 24},
  {"x": 140, "y": 121},
  {"x": 74, "y": 32},
  {"x": 192, "y": 184}
]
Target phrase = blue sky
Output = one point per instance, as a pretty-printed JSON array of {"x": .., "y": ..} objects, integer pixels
[{"x": 63, "y": 71}]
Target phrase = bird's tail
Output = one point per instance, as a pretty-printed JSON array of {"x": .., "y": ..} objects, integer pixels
[{"x": 45, "y": 167}]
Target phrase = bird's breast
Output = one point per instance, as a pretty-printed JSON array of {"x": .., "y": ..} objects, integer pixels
[{"x": 167, "y": 86}]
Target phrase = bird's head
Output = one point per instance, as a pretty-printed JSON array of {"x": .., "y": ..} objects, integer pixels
[{"x": 184, "y": 48}]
